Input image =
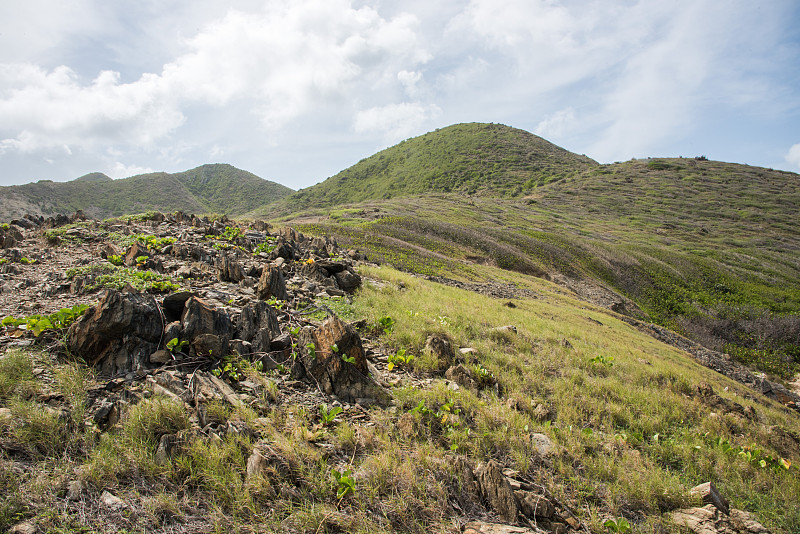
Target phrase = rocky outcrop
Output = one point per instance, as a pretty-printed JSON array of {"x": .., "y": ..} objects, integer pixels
[
  {"x": 207, "y": 329},
  {"x": 333, "y": 357},
  {"x": 272, "y": 284},
  {"x": 258, "y": 325},
  {"x": 119, "y": 334}
]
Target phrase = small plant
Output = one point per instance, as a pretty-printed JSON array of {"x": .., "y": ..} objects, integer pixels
[
  {"x": 276, "y": 303},
  {"x": 115, "y": 259},
  {"x": 346, "y": 483},
  {"x": 327, "y": 414},
  {"x": 312, "y": 350},
  {"x": 265, "y": 247},
  {"x": 607, "y": 361},
  {"x": 40, "y": 323},
  {"x": 620, "y": 525},
  {"x": 400, "y": 358},
  {"x": 386, "y": 323},
  {"x": 229, "y": 370},
  {"x": 175, "y": 345}
]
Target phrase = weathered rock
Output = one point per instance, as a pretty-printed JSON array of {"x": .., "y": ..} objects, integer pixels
[
  {"x": 710, "y": 520},
  {"x": 201, "y": 320},
  {"x": 137, "y": 250},
  {"x": 119, "y": 334},
  {"x": 441, "y": 347},
  {"x": 166, "y": 449},
  {"x": 497, "y": 491},
  {"x": 462, "y": 376},
  {"x": 258, "y": 324},
  {"x": 106, "y": 415},
  {"x": 349, "y": 380},
  {"x": 348, "y": 280},
  {"x": 229, "y": 270},
  {"x": 160, "y": 357},
  {"x": 174, "y": 303},
  {"x": 272, "y": 284},
  {"x": 533, "y": 505},
  {"x": 711, "y": 495},
  {"x": 76, "y": 490},
  {"x": 112, "y": 501},
  {"x": 542, "y": 444},
  {"x": 207, "y": 387}
]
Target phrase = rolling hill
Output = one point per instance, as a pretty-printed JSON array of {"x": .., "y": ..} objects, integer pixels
[
  {"x": 473, "y": 159},
  {"x": 216, "y": 188},
  {"x": 708, "y": 249}
]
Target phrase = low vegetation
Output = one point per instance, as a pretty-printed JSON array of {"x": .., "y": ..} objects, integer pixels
[{"x": 612, "y": 401}]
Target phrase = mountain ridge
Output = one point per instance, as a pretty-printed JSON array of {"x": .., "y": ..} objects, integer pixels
[{"x": 210, "y": 188}]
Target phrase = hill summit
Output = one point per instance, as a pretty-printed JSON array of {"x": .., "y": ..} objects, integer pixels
[{"x": 475, "y": 159}]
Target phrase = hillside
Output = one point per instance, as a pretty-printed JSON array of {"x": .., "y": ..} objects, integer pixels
[
  {"x": 708, "y": 249},
  {"x": 226, "y": 378},
  {"x": 217, "y": 188},
  {"x": 474, "y": 159}
]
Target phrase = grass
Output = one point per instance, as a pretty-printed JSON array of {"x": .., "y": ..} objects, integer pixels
[
  {"x": 700, "y": 246},
  {"x": 630, "y": 438}
]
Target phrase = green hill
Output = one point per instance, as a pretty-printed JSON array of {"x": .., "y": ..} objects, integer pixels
[
  {"x": 475, "y": 159},
  {"x": 708, "y": 249},
  {"x": 217, "y": 188}
]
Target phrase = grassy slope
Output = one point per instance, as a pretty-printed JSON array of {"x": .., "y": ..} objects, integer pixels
[
  {"x": 706, "y": 248},
  {"x": 466, "y": 158},
  {"x": 631, "y": 437},
  {"x": 207, "y": 189}
]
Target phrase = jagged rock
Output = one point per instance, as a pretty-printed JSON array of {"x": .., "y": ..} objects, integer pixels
[
  {"x": 9, "y": 238},
  {"x": 174, "y": 303},
  {"x": 312, "y": 271},
  {"x": 258, "y": 324},
  {"x": 207, "y": 387},
  {"x": 119, "y": 334},
  {"x": 331, "y": 267},
  {"x": 112, "y": 501},
  {"x": 348, "y": 280},
  {"x": 441, "y": 347},
  {"x": 272, "y": 284},
  {"x": 137, "y": 250},
  {"x": 533, "y": 505},
  {"x": 160, "y": 357},
  {"x": 76, "y": 490},
  {"x": 496, "y": 489},
  {"x": 206, "y": 328},
  {"x": 349, "y": 380},
  {"x": 710, "y": 520},
  {"x": 166, "y": 449},
  {"x": 229, "y": 270},
  {"x": 542, "y": 444},
  {"x": 106, "y": 415},
  {"x": 711, "y": 495},
  {"x": 461, "y": 376}
]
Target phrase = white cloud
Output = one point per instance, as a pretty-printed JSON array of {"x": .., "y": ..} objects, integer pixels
[
  {"x": 120, "y": 170},
  {"x": 285, "y": 61},
  {"x": 793, "y": 156},
  {"x": 395, "y": 121},
  {"x": 557, "y": 125}
]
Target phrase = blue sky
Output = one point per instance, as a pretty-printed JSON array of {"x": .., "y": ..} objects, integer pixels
[{"x": 295, "y": 91}]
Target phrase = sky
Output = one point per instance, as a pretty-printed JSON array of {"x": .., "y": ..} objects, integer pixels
[{"x": 297, "y": 90}]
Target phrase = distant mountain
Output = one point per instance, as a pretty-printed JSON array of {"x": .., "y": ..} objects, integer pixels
[
  {"x": 217, "y": 188},
  {"x": 474, "y": 159}
]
